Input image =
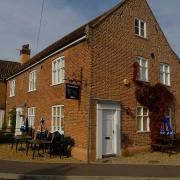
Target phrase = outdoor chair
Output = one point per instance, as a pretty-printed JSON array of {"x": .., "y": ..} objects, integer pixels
[
  {"x": 57, "y": 143},
  {"x": 68, "y": 143}
]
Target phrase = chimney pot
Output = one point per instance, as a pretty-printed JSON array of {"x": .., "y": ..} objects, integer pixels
[{"x": 24, "y": 54}]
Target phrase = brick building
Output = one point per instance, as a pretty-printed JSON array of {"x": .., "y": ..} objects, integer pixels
[
  {"x": 7, "y": 68},
  {"x": 98, "y": 59}
]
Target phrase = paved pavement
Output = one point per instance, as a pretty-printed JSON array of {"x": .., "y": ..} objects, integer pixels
[{"x": 23, "y": 170}]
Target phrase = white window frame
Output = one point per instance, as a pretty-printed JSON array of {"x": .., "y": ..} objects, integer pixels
[
  {"x": 32, "y": 81},
  {"x": 9, "y": 121},
  {"x": 58, "y": 70},
  {"x": 169, "y": 116},
  {"x": 31, "y": 116},
  {"x": 2, "y": 114},
  {"x": 142, "y": 69},
  {"x": 57, "y": 126},
  {"x": 142, "y": 115},
  {"x": 165, "y": 73},
  {"x": 12, "y": 87},
  {"x": 140, "y": 29}
]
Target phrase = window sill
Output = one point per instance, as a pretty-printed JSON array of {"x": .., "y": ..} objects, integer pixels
[
  {"x": 165, "y": 85},
  {"x": 32, "y": 90},
  {"x": 57, "y": 84},
  {"x": 145, "y": 38},
  {"x": 141, "y": 81},
  {"x": 142, "y": 132}
]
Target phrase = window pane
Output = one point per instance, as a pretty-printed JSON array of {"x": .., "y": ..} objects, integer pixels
[
  {"x": 142, "y": 33},
  {"x": 142, "y": 25},
  {"x": 55, "y": 66},
  {"x": 58, "y": 76},
  {"x": 145, "y": 111},
  {"x": 161, "y": 68},
  {"x": 62, "y": 124},
  {"x": 144, "y": 63},
  {"x": 137, "y": 30},
  {"x": 58, "y": 111},
  {"x": 136, "y": 23},
  {"x": 54, "y": 122},
  {"x": 139, "y": 110},
  {"x": 63, "y": 63},
  {"x": 62, "y": 111},
  {"x": 145, "y": 119},
  {"x": 143, "y": 77},
  {"x": 139, "y": 123},
  {"x": 63, "y": 75},
  {"x": 54, "y": 77},
  {"x": 166, "y": 69},
  {"x": 167, "y": 79},
  {"x": 54, "y": 111},
  {"x": 161, "y": 78}
]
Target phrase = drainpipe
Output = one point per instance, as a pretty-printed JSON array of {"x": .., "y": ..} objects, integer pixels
[
  {"x": 89, "y": 130},
  {"x": 5, "y": 98},
  {"x": 89, "y": 44}
]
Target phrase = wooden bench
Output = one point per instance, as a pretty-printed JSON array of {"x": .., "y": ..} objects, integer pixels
[{"x": 165, "y": 144}]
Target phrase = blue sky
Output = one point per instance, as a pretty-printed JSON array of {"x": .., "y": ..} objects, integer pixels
[{"x": 19, "y": 21}]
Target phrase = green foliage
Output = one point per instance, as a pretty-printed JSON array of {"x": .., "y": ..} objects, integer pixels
[
  {"x": 4, "y": 125},
  {"x": 12, "y": 114},
  {"x": 5, "y": 137},
  {"x": 158, "y": 99}
]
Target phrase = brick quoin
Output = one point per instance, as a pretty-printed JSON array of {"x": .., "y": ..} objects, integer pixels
[{"x": 106, "y": 57}]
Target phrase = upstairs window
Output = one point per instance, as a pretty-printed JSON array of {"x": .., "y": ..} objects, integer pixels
[
  {"x": 142, "y": 115},
  {"x": 140, "y": 27},
  {"x": 58, "y": 118},
  {"x": 32, "y": 81},
  {"x": 165, "y": 74},
  {"x": 143, "y": 69},
  {"x": 12, "y": 88},
  {"x": 31, "y": 117},
  {"x": 58, "y": 71}
]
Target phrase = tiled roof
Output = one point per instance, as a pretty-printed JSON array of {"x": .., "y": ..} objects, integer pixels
[
  {"x": 8, "y": 68},
  {"x": 54, "y": 47}
]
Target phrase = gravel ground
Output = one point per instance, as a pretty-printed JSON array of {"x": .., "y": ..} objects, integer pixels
[
  {"x": 6, "y": 153},
  {"x": 156, "y": 158}
]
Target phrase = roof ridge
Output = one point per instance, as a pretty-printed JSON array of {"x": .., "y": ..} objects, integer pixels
[
  {"x": 9, "y": 61},
  {"x": 107, "y": 13},
  {"x": 92, "y": 21}
]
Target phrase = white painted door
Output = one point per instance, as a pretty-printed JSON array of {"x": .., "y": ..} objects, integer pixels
[
  {"x": 1, "y": 118},
  {"x": 107, "y": 132},
  {"x": 19, "y": 121}
]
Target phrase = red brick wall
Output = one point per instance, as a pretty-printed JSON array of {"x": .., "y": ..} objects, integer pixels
[
  {"x": 46, "y": 95},
  {"x": 2, "y": 94},
  {"x": 114, "y": 47}
]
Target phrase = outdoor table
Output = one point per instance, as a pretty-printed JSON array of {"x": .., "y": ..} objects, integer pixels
[
  {"x": 38, "y": 144},
  {"x": 20, "y": 139},
  {"x": 165, "y": 144}
]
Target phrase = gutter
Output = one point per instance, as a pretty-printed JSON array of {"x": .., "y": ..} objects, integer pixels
[{"x": 59, "y": 50}]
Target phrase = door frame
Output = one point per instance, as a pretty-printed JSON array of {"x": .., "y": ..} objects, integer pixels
[
  {"x": 2, "y": 114},
  {"x": 19, "y": 111},
  {"x": 111, "y": 105}
]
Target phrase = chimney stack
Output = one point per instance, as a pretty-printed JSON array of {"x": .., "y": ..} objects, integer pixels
[{"x": 24, "y": 54}]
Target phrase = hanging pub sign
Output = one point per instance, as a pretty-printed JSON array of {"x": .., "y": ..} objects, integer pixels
[{"x": 72, "y": 91}]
